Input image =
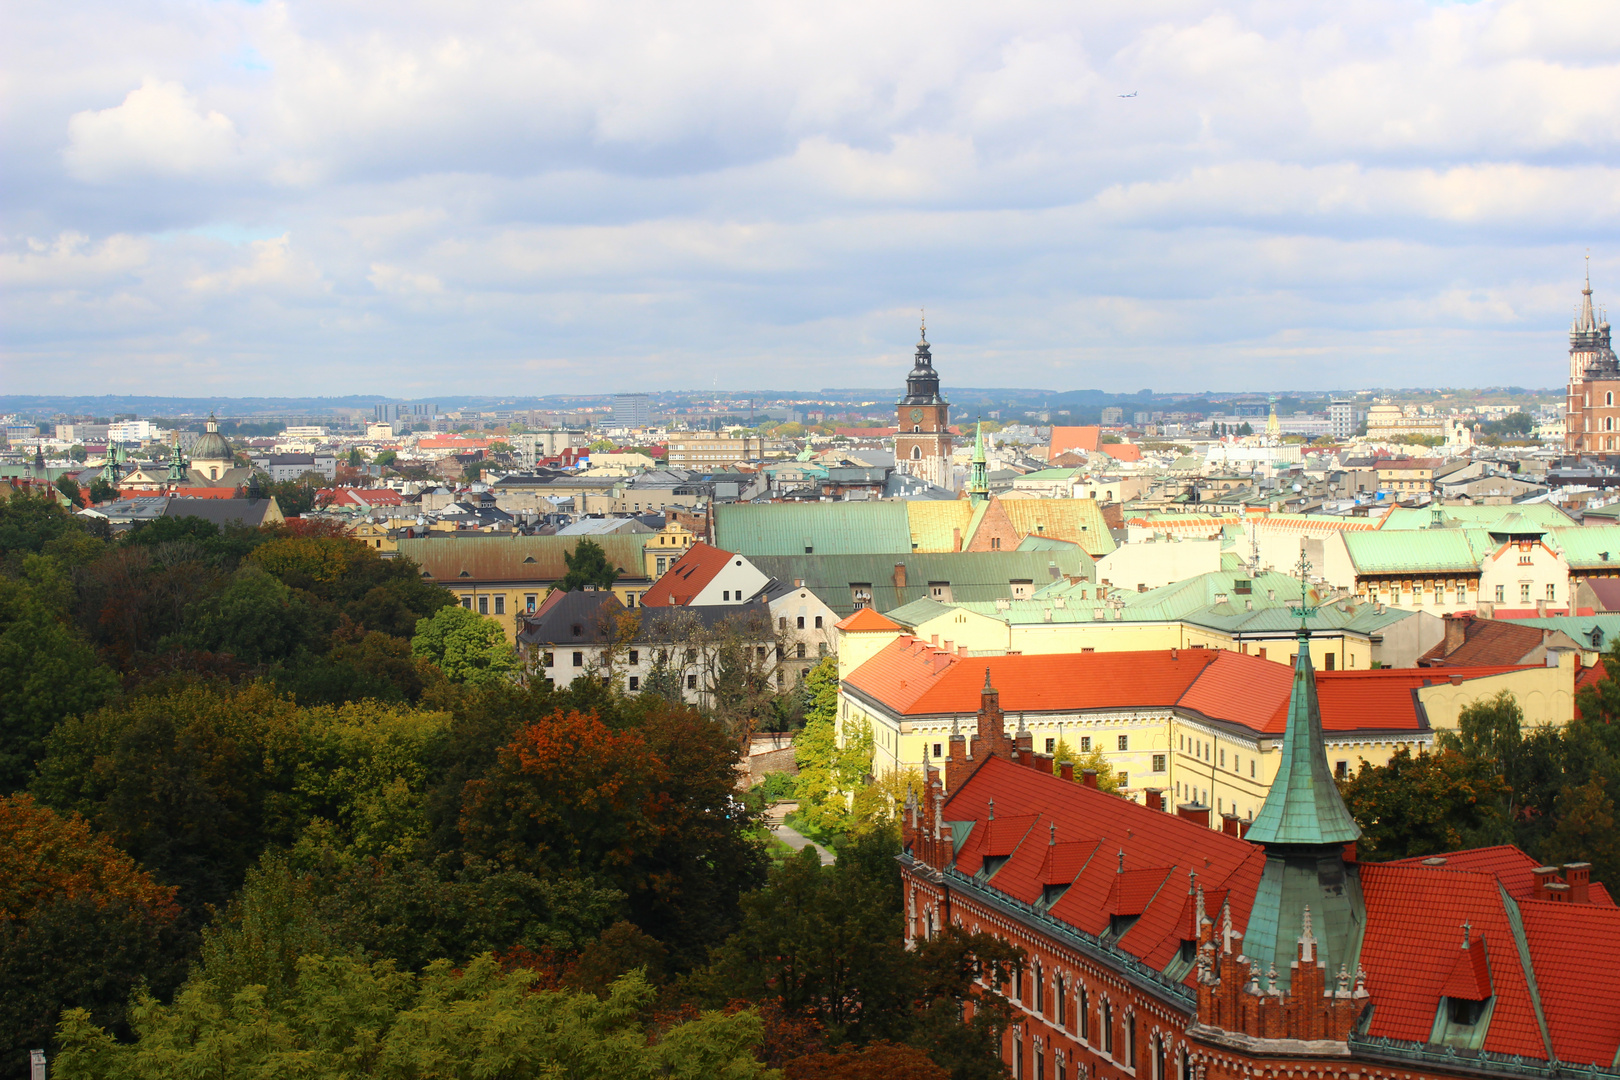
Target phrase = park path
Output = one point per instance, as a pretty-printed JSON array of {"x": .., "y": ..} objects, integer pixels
[{"x": 791, "y": 836}]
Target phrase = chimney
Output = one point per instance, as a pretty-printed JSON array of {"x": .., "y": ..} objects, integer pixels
[
  {"x": 1043, "y": 763},
  {"x": 899, "y": 575},
  {"x": 956, "y": 766},
  {"x": 1197, "y": 813},
  {"x": 1229, "y": 824},
  {"x": 1155, "y": 799},
  {"x": 1066, "y": 770},
  {"x": 1456, "y": 632},
  {"x": 956, "y": 539},
  {"x": 1546, "y": 877},
  {"x": 1578, "y": 876},
  {"x": 1088, "y": 777}
]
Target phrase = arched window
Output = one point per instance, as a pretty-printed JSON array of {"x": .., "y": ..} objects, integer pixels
[
  {"x": 1608, "y": 423},
  {"x": 916, "y": 453},
  {"x": 1608, "y": 399}
]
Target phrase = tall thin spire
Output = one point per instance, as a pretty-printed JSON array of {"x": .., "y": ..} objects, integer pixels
[{"x": 978, "y": 471}]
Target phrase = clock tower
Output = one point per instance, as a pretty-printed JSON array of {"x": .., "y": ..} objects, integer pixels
[{"x": 922, "y": 441}]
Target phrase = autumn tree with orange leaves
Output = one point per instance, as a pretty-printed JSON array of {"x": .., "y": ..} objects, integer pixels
[{"x": 81, "y": 924}]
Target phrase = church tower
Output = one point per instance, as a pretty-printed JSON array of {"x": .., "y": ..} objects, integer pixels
[
  {"x": 922, "y": 441},
  {"x": 1593, "y": 412}
]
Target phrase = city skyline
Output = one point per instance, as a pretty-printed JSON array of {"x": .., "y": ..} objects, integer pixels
[{"x": 244, "y": 198}]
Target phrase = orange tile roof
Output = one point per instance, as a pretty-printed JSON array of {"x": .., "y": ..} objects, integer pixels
[
  {"x": 1486, "y": 641},
  {"x": 914, "y": 678},
  {"x": 1122, "y": 451},
  {"x": 1074, "y": 438},
  {"x": 692, "y": 571},
  {"x": 868, "y": 619}
]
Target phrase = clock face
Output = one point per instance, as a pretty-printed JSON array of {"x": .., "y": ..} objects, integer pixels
[{"x": 916, "y": 414}]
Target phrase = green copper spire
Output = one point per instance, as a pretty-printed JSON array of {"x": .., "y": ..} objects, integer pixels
[
  {"x": 979, "y": 476},
  {"x": 1304, "y": 827},
  {"x": 1303, "y": 806}
]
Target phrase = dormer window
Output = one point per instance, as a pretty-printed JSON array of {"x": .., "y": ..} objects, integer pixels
[{"x": 991, "y": 864}]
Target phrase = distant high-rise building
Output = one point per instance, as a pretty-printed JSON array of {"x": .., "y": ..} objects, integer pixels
[
  {"x": 632, "y": 410},
  {"x": 1342, "y": 419},
  {"x": 1113, "y": 415},
  {"x": 396, "y": 413}
]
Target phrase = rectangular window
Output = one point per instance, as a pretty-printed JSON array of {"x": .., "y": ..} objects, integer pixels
[
  {"x": 1552, "y": 591},
  {"x": 1158, "y": 763},
  {"x": 663, "y": 564},
  {"x": 1124, "y": 780},
  {"x": 821, "y": 648},
  {"x": 1341, "y": 770},
  {"x": 1085, "y": 744},
  {"x": 1051, "y": 745},
  {"x": 1327, "y": 662},
  {"x": 579, "y": 659},
  {"x": 801, "y": 622},
  {"x": 1124, "y": 742},
  {"x": 548, "y": 659},
  {"x": 529, "y": 600},
  {"x": 483, "y": 605},
  {"x": 466, "y": 602},
  {"x": 1223, "y": 757},
  {"x": 1501, "y": 593},
  {"x": 635, "y": 656},
  {"x": 691, "y": 682},
  {"x": 725, "y": 594},
  {"x": 937, "y": 751},
  {"x": 818, "y": 622},
  {"x": 1262, "y": 652},
  {"x": 500, "y": 605},
  {"x": 1251, "y": 768},
  {"x": 635, "y": 682},
  {"x": 1524, "y": 592}
]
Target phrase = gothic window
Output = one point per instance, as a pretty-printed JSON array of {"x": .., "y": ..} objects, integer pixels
[
  {"x": 1608, "y": 423},
  {"x": 1608, "y": 399},
  {"x": 916, "y": 453}
]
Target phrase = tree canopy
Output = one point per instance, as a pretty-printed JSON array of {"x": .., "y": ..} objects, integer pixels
[{"x": 588, "y": 566}]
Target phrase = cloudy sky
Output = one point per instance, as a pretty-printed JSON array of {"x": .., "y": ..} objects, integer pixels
[{"x": 560, "y": 196}]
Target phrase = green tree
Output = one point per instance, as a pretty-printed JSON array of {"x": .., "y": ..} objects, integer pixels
[
  {"x": 70, "y": 489},
  {"x": 1424, "y": 804},
  {"x": 348, "y": 1018},
  {"x": 78, "y": 453},
  {"x": 194, "y": 783},
  {"x": 102, "y": 491},
  {"x": 47, "y": 671},
  {"x": 829, "y": 774},
  {"x": 356, "y": 459},
  {"x": 467, "y": 647},
  {"x": 1093, "y": 759},
  {"x": 385, "y": 459},
  {"x": 29, "y": 522},
  {"x": 826, "y": 944},
  {"x": 255, "y": 618},
  {"x": 587, "y": 566},
  {"x": 1245, "y": 428}
]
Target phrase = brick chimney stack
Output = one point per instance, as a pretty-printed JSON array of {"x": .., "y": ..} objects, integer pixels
[
  {"x": 1578, "y": 876},
  {"x": 1456, "y": 632},
  {"x": 992, "y": 733}
]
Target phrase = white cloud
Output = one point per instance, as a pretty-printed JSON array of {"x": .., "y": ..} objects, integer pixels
[
  {"x": 1372, "y": 190},
  {"x": 159, "y": 130}
]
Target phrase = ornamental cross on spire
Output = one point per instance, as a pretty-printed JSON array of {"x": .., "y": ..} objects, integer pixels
[{"x": 1305, "y": 610}]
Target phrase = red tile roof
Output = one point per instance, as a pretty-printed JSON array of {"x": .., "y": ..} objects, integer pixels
[
  {"x": 1486, "y": 641},
  {"x": 1580, "y": 987},
  {"x": 1412, "y": 947},
  {"x": 692, "y": 571},
  {"x": 1122, "y": 451},
  {"x": 914, "y": 678},
  {"x": 1508, "y": 864}
]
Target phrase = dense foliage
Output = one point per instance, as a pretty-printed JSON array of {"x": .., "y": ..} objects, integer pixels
[
  {"x": 269, "y": 803},
  {"x": 1549, "y": 790}
]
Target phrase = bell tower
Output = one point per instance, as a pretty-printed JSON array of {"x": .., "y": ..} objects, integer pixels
[{"x": 922, "y": 441}]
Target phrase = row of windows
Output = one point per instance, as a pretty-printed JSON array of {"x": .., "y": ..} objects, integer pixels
[
  {"x": 1206, "y": 751},
  {"x": 781, "y": 622}
]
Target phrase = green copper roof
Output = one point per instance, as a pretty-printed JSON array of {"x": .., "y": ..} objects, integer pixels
[{"x": 1303, "y": 806}]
